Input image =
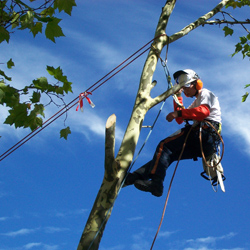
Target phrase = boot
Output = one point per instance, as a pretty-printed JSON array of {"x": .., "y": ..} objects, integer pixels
[
  {"x": 130, "y": 179},
  {"x": 154, "y": 186}
]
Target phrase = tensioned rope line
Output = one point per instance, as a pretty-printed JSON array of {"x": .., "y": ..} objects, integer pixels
[{"x": 74, "y": 102}]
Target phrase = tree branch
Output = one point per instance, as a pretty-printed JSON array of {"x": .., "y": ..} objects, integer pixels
[
  {"x": 110, "y": 142},
  {"x": 217, "y": 21},
  {"x": 165, "y": 95},
  {"x": 200, "y": 21}
]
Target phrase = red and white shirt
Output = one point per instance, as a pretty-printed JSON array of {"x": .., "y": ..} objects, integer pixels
[{"x": 205, "y": 106}]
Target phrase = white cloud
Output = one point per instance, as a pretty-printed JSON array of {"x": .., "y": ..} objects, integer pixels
[
  {"x": 50, "y": 247},
  {"x": 32, "y": 245},
  {"x": 135, "y": 218},
  {"x": 71, "y": 213},
  {"x": 55, "y": 229},
  {"x": 207, "y": 243},
  {"x": 212, "y": 62},
  {"x": 165, "y": 234},
  {"x": 89, "y": 122},
  {"x": 118, "y": 247},
  {"x": 4, "y": 218},
  {"x": 21, "y": 232}
]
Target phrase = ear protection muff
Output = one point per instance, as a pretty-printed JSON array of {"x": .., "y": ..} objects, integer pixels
[{"x": 199, "y": 84}]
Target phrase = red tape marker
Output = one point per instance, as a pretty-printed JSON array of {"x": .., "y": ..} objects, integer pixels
[{"x": 81, "y": 97}]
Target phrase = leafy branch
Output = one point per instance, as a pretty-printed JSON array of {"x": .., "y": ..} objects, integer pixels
[
  {"x": 243, "y": 45},
  {"x": 15, "y": 14},
  {"x": 30, "y": 113},
  {"x": 37, "y": 17}
]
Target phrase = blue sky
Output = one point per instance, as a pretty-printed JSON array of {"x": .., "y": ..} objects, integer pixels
[{"x": 48, "y": 186}]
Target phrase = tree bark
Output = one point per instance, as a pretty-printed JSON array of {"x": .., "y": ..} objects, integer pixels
[{"x": 116, "y": 168}]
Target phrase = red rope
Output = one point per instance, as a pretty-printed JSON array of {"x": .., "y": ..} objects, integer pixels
[{"x": 75, "y": 101}]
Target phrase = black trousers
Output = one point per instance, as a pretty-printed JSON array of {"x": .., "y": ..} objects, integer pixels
[{"x": 169, "y": 150}]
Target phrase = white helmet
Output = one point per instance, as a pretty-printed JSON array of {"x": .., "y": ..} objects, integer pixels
[{"x": 186, "y": 76}]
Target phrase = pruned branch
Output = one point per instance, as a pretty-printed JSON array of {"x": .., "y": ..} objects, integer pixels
[{"x": 110, "y": 142}]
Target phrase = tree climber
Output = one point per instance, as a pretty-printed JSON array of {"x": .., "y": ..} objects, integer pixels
[{"x": 150, "y": 177}]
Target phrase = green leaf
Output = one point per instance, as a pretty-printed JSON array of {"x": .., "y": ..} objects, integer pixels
[
  {"x": 243, "y": 39},
  {"x": 27, "y": 20},
  {"x": 10, "y": 64},
  {"x": 4, "y": 35},
  {"x": 41, "y": 83},
  {"x": 67, "y": 87},
  {"x": 1, "y": 95},
  {"x": 10, "y": 97},
  {"x": 58, "y": 74},
  {"x": 246, "y": 50},
  {"x": 3, "y": 74},
  {"x": 18, "y": 116},
  {"x": 248, "y": 85},
  {"x": 35, "y": 97},
  {"x": 53, "y": 29},
  {"x": 238, "y": 48},
  {"x": 64, "y": 5},
  {"x": 65, "y": 132},
  {"x": 228, "y": 31},
  {"x": 48, "y": 12},
  {"x": 36, "y": 28},
  {"x": 33, "y": 121},
  {"x": 233, "y": 4},
  {"x": 244, "y": 97},
  {"x": 2, "y": 4},
  {"x": 38, "y": 110}
]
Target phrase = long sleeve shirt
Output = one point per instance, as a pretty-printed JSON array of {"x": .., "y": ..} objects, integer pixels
[{"x": 205, "y": 106}]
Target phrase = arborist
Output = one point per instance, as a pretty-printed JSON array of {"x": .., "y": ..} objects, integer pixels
[{"x": 205, "y": 107}]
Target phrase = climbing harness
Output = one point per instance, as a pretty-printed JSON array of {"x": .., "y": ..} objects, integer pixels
[
  {"x": 214, "y": 163},
  {"x": 213, "y": 170}
]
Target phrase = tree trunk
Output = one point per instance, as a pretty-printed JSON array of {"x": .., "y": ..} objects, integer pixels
[{"x": 116, "y": 168}]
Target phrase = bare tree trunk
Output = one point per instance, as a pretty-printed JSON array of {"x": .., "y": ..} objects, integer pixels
[{"x": 116, "y": 168}]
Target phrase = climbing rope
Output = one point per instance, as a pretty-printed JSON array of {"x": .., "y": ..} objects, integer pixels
[
  {"x": 168, "y": 77},
  {"x": 169, "y": 189}
]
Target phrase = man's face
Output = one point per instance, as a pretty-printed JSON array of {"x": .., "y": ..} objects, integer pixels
[{"x": 189, "y": 91}]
